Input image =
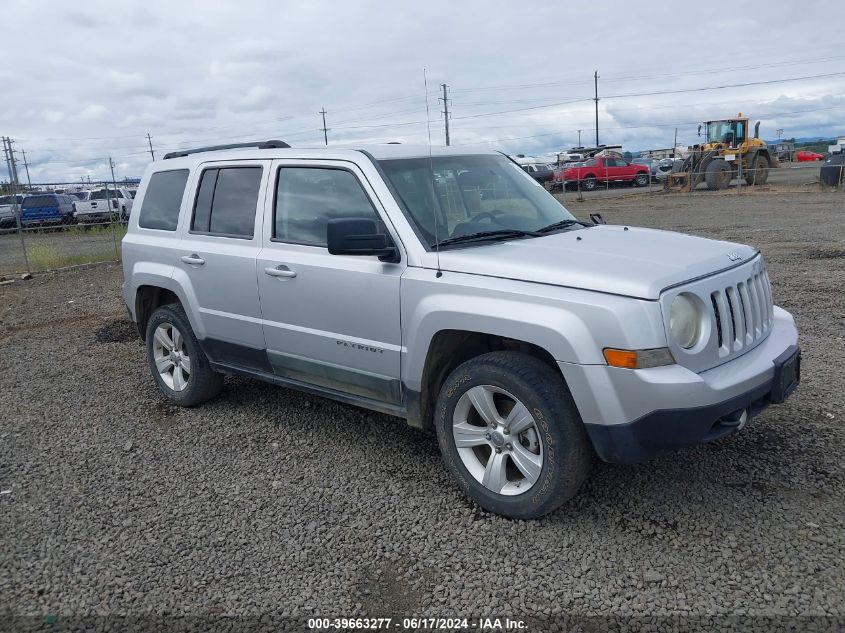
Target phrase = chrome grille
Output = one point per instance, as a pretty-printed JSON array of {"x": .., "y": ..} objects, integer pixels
[{"x": 743, "y": 313}]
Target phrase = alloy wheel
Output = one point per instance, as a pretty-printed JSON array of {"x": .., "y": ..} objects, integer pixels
[
  {"x": 171, "y": 357},
  {"x": 498, "y": 440}
]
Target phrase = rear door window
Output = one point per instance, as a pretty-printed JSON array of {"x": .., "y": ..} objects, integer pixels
[
  {"x": 226, "y": 202},
  {"x": 163, "y": 199}
]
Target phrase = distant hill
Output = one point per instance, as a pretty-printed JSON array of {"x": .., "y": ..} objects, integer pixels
[{"x": 830, "y": 140}]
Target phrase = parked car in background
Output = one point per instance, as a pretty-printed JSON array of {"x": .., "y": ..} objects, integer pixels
[
  {"x": 832, "y": 172},
  {"x": 47, "y": 208},
  {"x": 605, "y": 169},
  {"x": 785, "y": 150},
  {"x": 806, "y": 156},
  {"x": 651, "y": 163},
  {"x": 666, "y": 166},
  {"x": 105, "y": 205},
  {"x": 540, "y": 172},
  {"x": 7, "y": 210}
]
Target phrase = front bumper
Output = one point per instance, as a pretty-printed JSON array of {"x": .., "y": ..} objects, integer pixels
[{"x": 632, "y": 415}]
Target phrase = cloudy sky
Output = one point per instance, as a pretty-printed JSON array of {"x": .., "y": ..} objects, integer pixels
[{"x": 82, "y": 81}]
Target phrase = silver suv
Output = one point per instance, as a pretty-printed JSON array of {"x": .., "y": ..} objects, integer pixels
[{"x": 450, "y": 289}]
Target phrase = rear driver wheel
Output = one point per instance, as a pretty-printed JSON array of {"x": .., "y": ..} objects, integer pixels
[{"x": 179, "y": 367}]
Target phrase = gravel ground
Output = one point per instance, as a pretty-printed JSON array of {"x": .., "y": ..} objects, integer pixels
[{"x": 268, "y": 501}]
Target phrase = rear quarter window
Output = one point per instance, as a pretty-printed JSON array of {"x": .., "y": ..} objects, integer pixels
[{"x": 163, "y": 200}]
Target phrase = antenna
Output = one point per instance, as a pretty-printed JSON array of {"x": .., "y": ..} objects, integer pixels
[{"x": 431, "y": 172}]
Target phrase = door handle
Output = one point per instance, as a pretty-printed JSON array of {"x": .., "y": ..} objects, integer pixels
[
  {"x": 280, "y": 271},
  {"x": 194, "y": 259}
]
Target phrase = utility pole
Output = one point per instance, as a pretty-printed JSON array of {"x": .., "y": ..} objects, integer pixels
[
  {"x": 579, "y": 138},
  {"x": 596, "y": 78},
  {"x": 675, "y": 144},
  {"x": 325, "y": 129},
  {"x": 13, "y": 169},
  {"x": 26, "y": 167},
  {"x": 150, "y": 141},
  {"x": 8, "y": 164},
  {"x": 13, "y": 176},
  {"x": 116, "y": 206},
  {"x": 446, "y": 111}
]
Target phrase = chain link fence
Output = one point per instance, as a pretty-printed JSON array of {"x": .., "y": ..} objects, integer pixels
[
  {"x": 53, "y": 225},
  {"x": 729, "y": 177}
]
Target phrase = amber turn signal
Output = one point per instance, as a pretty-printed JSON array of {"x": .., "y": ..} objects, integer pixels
[{"x": 638, "y": 359}]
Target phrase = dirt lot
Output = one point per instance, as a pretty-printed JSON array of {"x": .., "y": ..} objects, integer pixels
[{"x": 268, "y": 501}]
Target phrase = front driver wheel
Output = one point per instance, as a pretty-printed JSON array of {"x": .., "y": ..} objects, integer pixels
[
  {"x": 178, "y": 365},
  {"x": 511, "y": 436}
]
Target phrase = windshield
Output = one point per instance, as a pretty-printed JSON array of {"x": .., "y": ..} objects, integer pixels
[
  {"x": 725, "y": 131},
  {"x": 470, "y": 194}
]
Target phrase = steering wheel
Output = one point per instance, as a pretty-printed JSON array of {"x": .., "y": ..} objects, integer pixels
[{"x": 482, "y": 215}]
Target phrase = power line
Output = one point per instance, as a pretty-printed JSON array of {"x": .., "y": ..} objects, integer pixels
[
  {"x": 722, "y": 87},
  {"x": 650, "y": 125},
  {"x": 623, "y": 76},
  {"x": 528, "y": 109}
]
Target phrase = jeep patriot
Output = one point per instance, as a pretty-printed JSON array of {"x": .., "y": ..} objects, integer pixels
[{"x": 448, "y": 288}]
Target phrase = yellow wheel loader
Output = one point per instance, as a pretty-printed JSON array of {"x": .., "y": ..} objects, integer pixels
[{"x": 728, "y": 152}]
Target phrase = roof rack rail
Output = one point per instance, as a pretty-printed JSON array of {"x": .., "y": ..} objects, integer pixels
[{"x": 214, "y": 148}]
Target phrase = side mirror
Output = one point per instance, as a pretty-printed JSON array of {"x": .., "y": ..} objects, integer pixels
[
  {"x": 597, "y": 219},
  {"x": 359, "y": 236},
  {"x": 699, "y": 130}
]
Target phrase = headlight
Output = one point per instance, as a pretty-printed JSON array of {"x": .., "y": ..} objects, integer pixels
[{"x": 684, "y": 321}]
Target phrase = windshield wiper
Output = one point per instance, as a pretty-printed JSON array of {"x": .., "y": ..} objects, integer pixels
[
  {"x": 481, "y": 236},
  {"x": 560, "y": 225}
]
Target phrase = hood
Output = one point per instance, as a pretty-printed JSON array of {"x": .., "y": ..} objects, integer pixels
[{"x": 619, "y": 260}]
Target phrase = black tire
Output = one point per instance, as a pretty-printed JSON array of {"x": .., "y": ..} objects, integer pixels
[
  {"x": 589, "y": 183},
  {"x": 641, "y": 180},
  {"x": 760, "y": 171},
  {"x": 567, "y": 451},
  {"x": 203, "y": 383},
  {"x": 717, "y": 174}
]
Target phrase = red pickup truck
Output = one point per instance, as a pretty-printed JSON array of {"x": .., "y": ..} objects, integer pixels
[{"x": 601, "y": 170}]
